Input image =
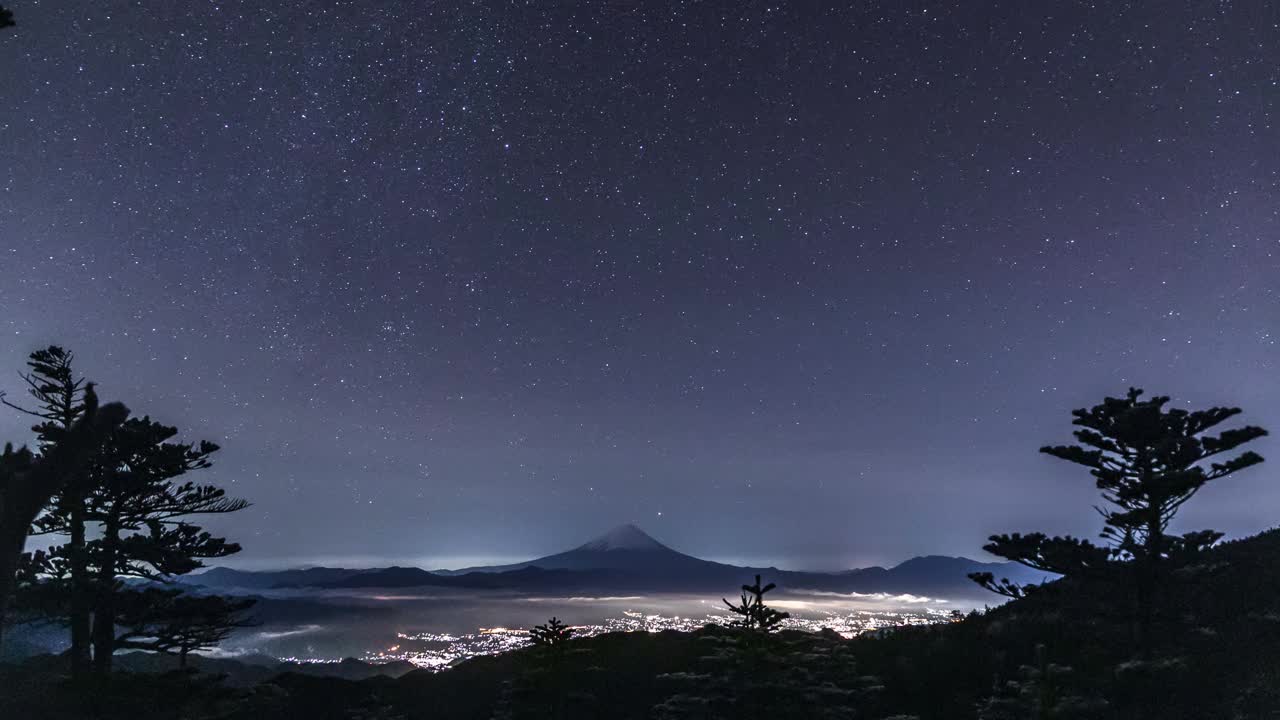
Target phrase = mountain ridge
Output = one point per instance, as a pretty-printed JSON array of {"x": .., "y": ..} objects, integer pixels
[{"x": 628, "y": 558}]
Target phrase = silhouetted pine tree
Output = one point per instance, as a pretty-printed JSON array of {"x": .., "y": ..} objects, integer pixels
[
  {"x": 59, "y": 401},
  {"x": 753, "y": 613},
  {"x": 143, "y": 516},
  {"x": 29, "y": 481},
  {"x": 116, "y": 475},
  {"x": 1147, "y": 461},
  {"x": 553, "y": 634},
  {"x": 6, "y": 18}
]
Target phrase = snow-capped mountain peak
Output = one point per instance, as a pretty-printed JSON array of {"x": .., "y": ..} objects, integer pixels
[{"x": 623, "y": 537}]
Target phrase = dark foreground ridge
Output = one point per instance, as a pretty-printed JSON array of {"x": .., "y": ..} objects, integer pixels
[{"x": 1218, "y": 658}]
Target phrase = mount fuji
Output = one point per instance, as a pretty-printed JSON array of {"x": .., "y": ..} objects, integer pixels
[
  {"x": 625, "y": 548},
  {"x": 627, "y": 558}
]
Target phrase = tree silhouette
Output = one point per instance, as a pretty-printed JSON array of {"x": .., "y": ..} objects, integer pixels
[
  {"x": 1147, "y": 461},
  {"x": 6, "y": 18},
  {"x": 553, "y": 634},
  {"x": 29, "y": 481},
  {"x": 59, "y": 397},
  {"x": 109, "y": 484},
  {"x": 143, "y": 517},
  {"x": 753, "y": 613}
]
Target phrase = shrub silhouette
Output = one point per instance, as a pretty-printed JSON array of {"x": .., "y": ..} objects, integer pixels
[
  {"x": 752, "y": 613},
  {"x": 553, "y": 634}
]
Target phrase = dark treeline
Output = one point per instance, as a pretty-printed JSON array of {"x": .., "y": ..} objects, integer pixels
[{"x": 109, "y": 495}]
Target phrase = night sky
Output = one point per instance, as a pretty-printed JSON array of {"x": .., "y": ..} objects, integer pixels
[{"x": 459, "y": 282}]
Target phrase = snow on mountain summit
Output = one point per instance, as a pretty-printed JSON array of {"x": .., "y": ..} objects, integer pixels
[{"x": 623, "y": 537}]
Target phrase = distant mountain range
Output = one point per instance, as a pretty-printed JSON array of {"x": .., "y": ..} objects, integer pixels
[{"x": 628, "y": 559}]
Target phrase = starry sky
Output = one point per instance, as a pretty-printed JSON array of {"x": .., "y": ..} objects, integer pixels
[{"x": 795, "y": 283}]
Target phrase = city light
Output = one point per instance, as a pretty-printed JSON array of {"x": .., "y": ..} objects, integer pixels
[{"x": 438, "y": 651}]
